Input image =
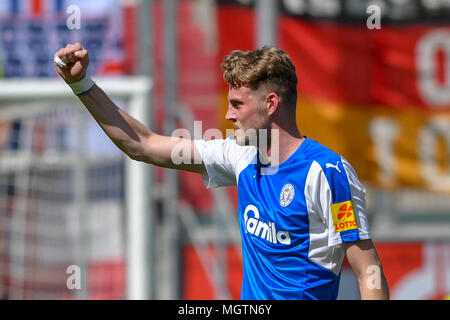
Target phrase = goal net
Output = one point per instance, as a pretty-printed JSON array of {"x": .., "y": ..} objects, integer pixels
[{"x": 64, "y": 202}]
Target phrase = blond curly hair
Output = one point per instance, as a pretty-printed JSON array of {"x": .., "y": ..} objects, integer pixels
[{"x": 268, "y": 67}]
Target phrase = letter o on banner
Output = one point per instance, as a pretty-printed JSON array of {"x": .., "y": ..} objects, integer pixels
[{"x": 432, "y": 92}]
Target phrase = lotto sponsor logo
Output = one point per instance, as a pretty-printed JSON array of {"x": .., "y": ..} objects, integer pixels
[
  {"x": 263, "y": 230},
  {"x": 343, "y": 216}
]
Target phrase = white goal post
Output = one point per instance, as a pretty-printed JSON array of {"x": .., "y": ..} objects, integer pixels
[{"x": 138, "y": 193}]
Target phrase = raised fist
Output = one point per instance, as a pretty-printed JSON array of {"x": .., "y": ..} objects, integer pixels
[{"x": 72, "y": 62}]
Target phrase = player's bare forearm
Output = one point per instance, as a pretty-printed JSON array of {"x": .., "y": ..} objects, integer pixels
[
  {"x": 366, "y": 265},
  {"x": 131, "y": 136},
  {"x": 127, "y": 133},
  {"x": 136, "y": 140}
]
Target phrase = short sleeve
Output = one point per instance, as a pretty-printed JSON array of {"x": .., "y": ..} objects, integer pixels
[
  {"x": 338, "y": 198},
  {"x": 223, "y": 160}
]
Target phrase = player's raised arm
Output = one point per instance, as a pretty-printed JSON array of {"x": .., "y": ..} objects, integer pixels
[{"x": 131, "y": 136}]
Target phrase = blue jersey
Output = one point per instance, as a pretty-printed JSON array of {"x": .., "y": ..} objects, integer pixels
[{"x": 292, "y": 217}]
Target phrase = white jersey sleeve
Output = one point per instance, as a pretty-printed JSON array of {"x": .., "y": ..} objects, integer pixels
[
  {"x": 336, "y": 200},
  {"x": 224, "y": 159}
]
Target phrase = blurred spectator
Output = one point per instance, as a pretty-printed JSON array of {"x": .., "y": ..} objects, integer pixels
[{"x": 32, "y": 30}]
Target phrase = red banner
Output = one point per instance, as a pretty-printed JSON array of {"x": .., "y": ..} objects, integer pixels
[{"x": 379, "y": 97}]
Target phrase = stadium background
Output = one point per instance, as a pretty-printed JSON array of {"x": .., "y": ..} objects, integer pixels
[{"x": 381, "y": 98}]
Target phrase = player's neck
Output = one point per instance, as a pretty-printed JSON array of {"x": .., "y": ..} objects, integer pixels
[{"x": 282, "y": 143}]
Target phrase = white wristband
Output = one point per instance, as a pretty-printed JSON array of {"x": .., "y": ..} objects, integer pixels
[{"x": 83, "y": 86}]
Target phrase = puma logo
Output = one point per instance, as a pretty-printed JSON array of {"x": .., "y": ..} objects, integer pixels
[{"x": 329, "y": 165}]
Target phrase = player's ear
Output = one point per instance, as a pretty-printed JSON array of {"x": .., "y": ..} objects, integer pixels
[{"x": 272, "y": 102}]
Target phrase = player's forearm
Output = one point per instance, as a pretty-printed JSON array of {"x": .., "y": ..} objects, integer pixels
[
  {"x": 131, "y": 136},
  {"x": 125, "y": 131},
  {"x": 366, "y": 264}
]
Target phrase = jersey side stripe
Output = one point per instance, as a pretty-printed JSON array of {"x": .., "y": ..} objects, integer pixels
[
  {"x": 318, "y": 199},
  {"x": 358, "y": 193}
]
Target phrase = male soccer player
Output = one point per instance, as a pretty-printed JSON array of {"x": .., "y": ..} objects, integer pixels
[{"x": 301, "y": 206}]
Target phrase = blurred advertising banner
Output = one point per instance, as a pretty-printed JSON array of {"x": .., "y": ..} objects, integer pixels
[
  {"x": 380, "y": 97},
  {"x": 417, "y": 271},
  {"x": 31, "y": 31}
]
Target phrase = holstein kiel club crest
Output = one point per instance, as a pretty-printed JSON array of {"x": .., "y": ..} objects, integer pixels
[{"x": 287, "y": 194}]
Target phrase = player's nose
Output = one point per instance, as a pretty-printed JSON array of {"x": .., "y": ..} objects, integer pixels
[{"x": 231, "y": 114}]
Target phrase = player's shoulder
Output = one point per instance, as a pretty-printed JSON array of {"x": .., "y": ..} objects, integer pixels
[
  {"x": 331, "y": 165},
  {"x": 227, "y": 144},
  {"x": 231, "y": 144},
  {"x": 322, "y": 155}
]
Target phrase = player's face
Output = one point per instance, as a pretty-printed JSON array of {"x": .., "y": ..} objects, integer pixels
[{"x": 246, "y": 110}]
